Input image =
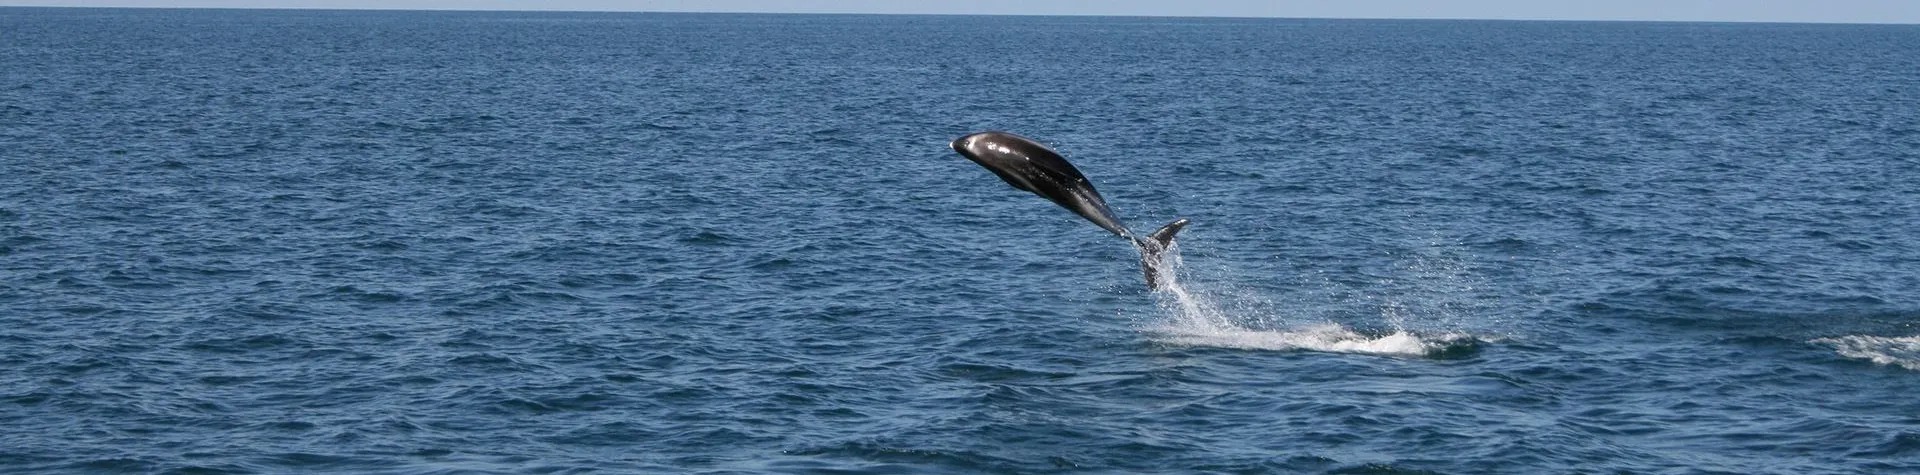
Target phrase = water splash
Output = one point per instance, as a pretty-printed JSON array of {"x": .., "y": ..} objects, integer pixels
[
  {"x": 1194, "y": 318},
  {"x": 1903, "y": 352}
]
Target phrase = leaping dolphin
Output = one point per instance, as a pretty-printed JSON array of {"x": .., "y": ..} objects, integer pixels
[{"x": 1029, "y": 166}]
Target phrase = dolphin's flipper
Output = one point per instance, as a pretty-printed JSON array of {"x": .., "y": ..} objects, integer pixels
[{"x": 1154, "y": 248}]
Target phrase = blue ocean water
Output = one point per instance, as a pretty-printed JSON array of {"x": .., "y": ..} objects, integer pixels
[{"x": 414, "y": 242}]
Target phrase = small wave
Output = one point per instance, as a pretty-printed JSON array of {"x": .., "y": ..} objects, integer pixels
[{"x": 1890, "y": 351}]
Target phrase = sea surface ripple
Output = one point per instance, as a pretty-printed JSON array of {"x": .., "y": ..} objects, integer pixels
[{"x": 438, "y": 242}]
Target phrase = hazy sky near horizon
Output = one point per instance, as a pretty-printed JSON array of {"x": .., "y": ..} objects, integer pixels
[{"x": 1831, "y": 11}]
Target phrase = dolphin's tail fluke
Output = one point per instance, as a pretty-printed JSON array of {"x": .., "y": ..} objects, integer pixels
[{"x": 1153, "y": 248}]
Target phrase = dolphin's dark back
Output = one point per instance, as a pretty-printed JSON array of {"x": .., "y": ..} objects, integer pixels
[
  {"x": 1042, "y": 157},
  {"x": 1032, "y": 167}
]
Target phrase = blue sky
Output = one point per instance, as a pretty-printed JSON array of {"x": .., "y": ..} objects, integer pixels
[{"x": 1846, "y": 11}]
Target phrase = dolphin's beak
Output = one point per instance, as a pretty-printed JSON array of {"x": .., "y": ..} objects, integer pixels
[{"x": 959, "y": 145}]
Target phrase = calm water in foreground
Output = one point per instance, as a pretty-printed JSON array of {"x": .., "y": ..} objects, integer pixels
[{"x": 406, "y": 242}]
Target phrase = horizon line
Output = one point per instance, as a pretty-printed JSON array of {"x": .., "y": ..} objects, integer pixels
[{"x": 1088, "y": 15}]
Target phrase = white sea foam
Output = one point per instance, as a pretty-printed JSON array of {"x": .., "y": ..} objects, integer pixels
[
  {"x": 1331, "y": 338},
  {"x": 1891, "y": 351},
  {"x": 1195, "y": 319}
]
